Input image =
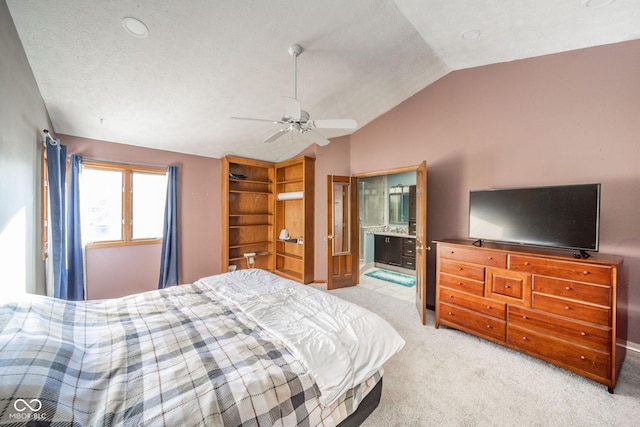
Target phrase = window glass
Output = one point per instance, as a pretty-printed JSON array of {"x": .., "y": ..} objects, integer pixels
[
  {"x": 149, "y": 192},
  {"x": 101, "y": 205}
]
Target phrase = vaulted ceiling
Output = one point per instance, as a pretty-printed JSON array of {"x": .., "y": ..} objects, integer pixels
[{"x": 203, "y": 62}]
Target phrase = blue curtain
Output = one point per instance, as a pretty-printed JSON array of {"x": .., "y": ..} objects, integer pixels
[
  {"x": 75, "y": 262},
  {"x": 65, "y": 248},
  {"x": 57, "y": 171},
  {"x": 169, "y": 260}
]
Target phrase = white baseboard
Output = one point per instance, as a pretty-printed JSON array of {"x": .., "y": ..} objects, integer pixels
[{"x": 633, "y": 346}]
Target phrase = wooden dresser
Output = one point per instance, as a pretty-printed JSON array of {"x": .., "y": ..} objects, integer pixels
[{"x": 544, "y": 303}]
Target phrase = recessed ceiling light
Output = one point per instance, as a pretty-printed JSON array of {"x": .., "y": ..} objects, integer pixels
[
  {"x": 470, "y": 34},
  {"x": 595, "y": 4},
  {"x": 135, "y": 27}
]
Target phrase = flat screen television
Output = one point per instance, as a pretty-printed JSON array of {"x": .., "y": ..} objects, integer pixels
[{"x": 566, "y": 216}]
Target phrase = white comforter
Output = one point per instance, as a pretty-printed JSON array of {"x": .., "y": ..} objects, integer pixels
[{"x": 340, "y": 343}]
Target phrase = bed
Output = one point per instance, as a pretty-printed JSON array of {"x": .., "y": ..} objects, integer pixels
[{"x": 240, "y": 348}]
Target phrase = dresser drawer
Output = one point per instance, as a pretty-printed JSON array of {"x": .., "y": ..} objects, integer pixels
[
  {"x": 485, "y": 326},
  {"x": 462, "y": 284},
  {"x": 598, "y": 338},
  {"x": 571, "y": 308},
  {"x": 478, "y": 256},
  {"x": 594, "y": 294},
  {"x": 513, "y": 287},
  {"x": 474, "y": 272},
  {"x": 472, "y": 302},
  {"x": 581, "y": 272},
  {"x": 583, "y": 360}
]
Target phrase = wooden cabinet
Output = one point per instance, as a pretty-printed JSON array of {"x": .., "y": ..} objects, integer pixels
[
  {"x": 387, "y": 250},
  {"x": 563, "y": 310},
  {"x": 254, "y": 211},
  {"x": 409, "y": 253},
  {"x": 294, "y": 212},
  {"x": 412, "y": 210},
  {"x": 398, "y": 251}
]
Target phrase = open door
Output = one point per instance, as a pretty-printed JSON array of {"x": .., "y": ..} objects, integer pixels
[
  {"x": 421, "y": 241},
  {"x": 342, "y": 232}
]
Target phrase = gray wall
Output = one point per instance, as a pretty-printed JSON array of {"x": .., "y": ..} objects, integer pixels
[{"x": 23, "y": 116}]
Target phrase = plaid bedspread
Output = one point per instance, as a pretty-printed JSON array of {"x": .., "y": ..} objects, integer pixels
[{"x": 178, "y": 357}]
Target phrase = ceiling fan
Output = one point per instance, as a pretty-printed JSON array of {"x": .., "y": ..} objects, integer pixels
[{"x": 295, "y": 118}]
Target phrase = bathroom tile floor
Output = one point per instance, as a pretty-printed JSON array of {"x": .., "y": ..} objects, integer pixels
[{"x": 387, "y": 288}]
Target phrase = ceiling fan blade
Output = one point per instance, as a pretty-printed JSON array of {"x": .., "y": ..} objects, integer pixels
[
  {"x": 292, "y": 108},
  {"x": 333, "y": 124},
  {"x": 276, "y": 122},
  {"x": 276, "y": 135},
  {"x": 316, "y": 137}
]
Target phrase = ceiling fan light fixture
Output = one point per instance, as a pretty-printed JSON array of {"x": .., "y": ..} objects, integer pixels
[
  {"x": 296, "y": 119},
  {"x": 135, "y": 27}
]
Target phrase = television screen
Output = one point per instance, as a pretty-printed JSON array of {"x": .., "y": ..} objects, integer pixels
[{"x": 561, "y": 216}]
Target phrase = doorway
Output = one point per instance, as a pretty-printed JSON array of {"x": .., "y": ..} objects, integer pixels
[
  {"x": 343, "y": 266},
  {"x": 386, "y": 229}
]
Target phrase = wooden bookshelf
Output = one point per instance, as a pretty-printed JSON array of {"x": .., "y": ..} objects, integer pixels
[
  {"x": 294, "y": 211},
  {"x": 247, "y": 213},
  {"x": 269, "y": 197}
]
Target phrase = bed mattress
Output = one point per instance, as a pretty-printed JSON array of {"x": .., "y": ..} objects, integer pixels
[{"x": 198, "y": 354}]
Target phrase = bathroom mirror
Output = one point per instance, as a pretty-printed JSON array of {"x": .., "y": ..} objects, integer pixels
[{"x": 399, "y": 204}]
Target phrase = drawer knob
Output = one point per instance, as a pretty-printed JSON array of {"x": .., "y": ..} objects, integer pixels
[
  {"x": 525, "y": 317},
  {"x": 568, "y": 288},
  {"x": 459, "y": 283},
  {"x": 490, "y": 258},
  {"x": 526, "y": 263},
  {"x": 450, "y": 296},
  {"x": 488, "y": 326},
  {"x": 566, "y": 307},
  {"x": 507, "y": 286},
  {"x": 583, "y": 333},
  {"x": 585, "y": 272},
  {"x": 524, "y": 338},
  {"x": 459, "y": 268},
  {"x": 450, "y": 314},
  {"x": 583, "y": 358},
  {"x": 489, "y": 307}
]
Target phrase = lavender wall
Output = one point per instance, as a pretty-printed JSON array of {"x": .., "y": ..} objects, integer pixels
[
  {"x": 559, "y": 119},
  {"x": 199, "y": 219},
  {"x": 332, "y": 159}
]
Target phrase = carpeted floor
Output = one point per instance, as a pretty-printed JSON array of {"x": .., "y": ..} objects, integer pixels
[{"x": 444, "y": 377}]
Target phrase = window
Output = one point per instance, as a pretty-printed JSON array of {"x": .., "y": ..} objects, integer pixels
[{"x": 121, "y": 204}]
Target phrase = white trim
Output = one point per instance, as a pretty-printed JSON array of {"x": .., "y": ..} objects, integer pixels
[{"x": 633, "y": 346}]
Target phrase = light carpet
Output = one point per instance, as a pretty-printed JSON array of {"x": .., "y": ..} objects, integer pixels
[{"x": 444, "y": 377}]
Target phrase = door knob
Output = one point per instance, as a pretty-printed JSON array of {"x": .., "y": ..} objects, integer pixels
[{"x": 330, "y": 237}]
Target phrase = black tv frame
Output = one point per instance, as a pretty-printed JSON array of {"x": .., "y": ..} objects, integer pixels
[{"x": 582, "y": 252}]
